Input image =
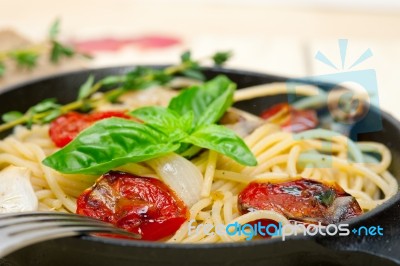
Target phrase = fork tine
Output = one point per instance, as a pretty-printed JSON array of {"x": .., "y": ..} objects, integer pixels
[
  {"x": 18, "y": 230},
  {"x": 10, "y": 221},
  {"x": 32, "y": 226},
  {"x": 14, "y": 243}
]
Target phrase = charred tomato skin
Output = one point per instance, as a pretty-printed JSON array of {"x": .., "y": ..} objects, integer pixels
[
  {"x": 141, "y": 205},
  {"x": 304, "y": 200},
  {"x": 66, "y": 127},
  {"x": 298, "y": 120}
]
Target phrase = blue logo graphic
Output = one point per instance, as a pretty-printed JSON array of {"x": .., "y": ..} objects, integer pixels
[{"x": 347, "y": 100}]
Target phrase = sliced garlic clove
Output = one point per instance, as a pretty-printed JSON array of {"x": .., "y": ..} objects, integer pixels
[{"x": 16, "y": 191}]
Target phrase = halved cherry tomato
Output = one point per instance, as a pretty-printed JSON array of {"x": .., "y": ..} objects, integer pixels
[
  {"x": 140, "y": 205},
  {"x": 66, "y": 127},
  {"x": 303, "y": 200},
  {"x": 296, "y": 121}
]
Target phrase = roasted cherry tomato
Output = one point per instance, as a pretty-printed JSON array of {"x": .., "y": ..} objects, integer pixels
[
  {"x": 66, "y": 127},
  {"x": 303, "y": 200},
  {"x": 296, "y": 120},
  {"x": 141, "y": 205}
]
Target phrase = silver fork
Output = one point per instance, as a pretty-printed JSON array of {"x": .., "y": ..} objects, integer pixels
[{"x": 18, "y": 230}]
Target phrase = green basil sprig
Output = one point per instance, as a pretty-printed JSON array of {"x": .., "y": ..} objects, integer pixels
[{"x": 189, "y": 120}]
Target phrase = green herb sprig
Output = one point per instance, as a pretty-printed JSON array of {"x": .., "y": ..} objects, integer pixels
[
  {"x": 137, "y": 79},
  {"x": 27, "y": 57},
  {"x": 189, "y": 119}
]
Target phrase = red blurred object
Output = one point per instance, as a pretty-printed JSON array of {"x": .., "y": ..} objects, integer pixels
[
  {"x": 66, "y": 127},
  {"x": 113, "y": 45},
  {"x": 140, "y": 205}
]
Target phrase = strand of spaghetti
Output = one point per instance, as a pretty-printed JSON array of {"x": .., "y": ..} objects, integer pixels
[
  {"x": 334, "y": 136},
  {"x": 198, "y": 206},
  {"x": 292, "y": 160},
  {"x": 366, "y": 202},
  {"x": 39, "y": 181},
  {"x": 369, "y": 186},
  {"x": 350, "y": 167},
  {"x": 274, "y": 89},
  {"x": 202, "y": 215},
  {"x": 342, "y": 180},
  {"x": 180, "y": 234},
  {"x": 261, "y": 168},
  {"x": 217, "y": 184},
  {"x": 21, "y": 148},
  {"x": 386, "y": 156},
  {"x": 258, "y": 215},
  {"x": 69, "y": 203},
  {"x": 271, "y": 177},
  {"x": 232, "y": 176},
  {"x": 257, "y": 137},
  {"x": 217, "y": 219},
  {"x": 276, "y": 169},
  {"x": 226, "y": 186},
  {"x": 75, "y": 184},
  {"x": 391, "y": 180},
  {"x": 269, "y": 141},
  {"x": 325, "y": 146},
  {"x": 209, "y": 174},
  {"x": 307, "y": 171},
  {"x": 45, "y": 193},
  {"x": 198, "y": 234},
  {"x": 136, "y": 169},
  {"x": 54, "y": 203},
  {"x": 269, "y": 154},
  {"x": 227, "y": 209},
  {"x": 259, "y": 134},
  {"x": 316, "y": 175},
  {"x": 209, "y": 239},
  {"x": 14, "y": 160}
]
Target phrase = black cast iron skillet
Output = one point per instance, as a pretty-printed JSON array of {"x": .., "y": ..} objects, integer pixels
[{"x": 351, "y": 250}]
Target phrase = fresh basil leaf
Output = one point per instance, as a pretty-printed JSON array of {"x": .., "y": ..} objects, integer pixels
[
  {"x": 208, "y": 101},
  {"x": 224, "y": 141},
  {"x": 84, "y": 90},
  {"x": 110, "y": 143},
  {"x": 54, "y": 29},
  {"x": 163, "y": 119},
  {"x": 11, "y": 116}
]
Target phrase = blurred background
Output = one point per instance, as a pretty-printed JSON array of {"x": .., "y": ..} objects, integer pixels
[{"x": 271, "y": 36}]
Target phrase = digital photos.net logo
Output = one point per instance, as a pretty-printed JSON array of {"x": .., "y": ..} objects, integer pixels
[
  {"x": 350, "y": 97},
  {"x": 258, "y": 229}
]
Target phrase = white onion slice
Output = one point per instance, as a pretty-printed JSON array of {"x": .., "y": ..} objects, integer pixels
[
  {"x": 180, "y": 175},
  {"x": 16, "y": 192}
]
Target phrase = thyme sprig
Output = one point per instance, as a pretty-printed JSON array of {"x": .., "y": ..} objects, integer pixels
[{"x": 137, "y": 79}]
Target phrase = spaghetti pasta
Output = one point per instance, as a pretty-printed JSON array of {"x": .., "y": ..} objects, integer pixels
[{"x": 314, "y": 154}]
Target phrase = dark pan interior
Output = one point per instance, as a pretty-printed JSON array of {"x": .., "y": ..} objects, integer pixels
[{"x": 351, "y": 250}]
